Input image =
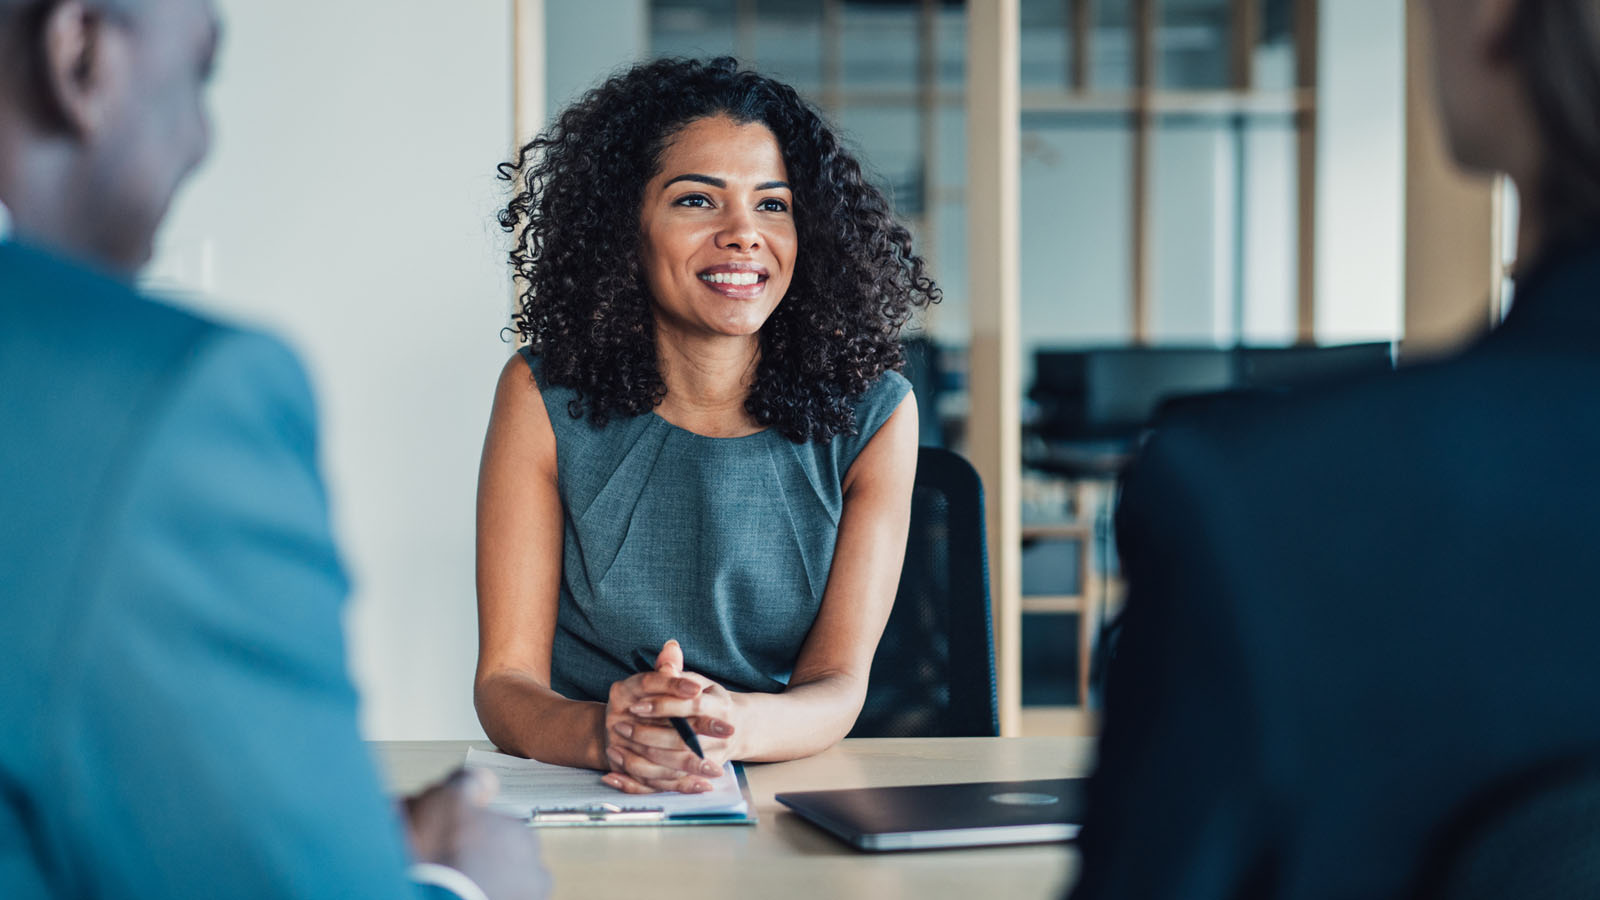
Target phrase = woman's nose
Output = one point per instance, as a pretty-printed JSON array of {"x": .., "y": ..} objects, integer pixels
[{"x": 738, "y": 231}]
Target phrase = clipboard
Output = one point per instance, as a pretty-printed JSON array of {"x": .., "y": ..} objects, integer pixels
[
  {"x": 640, "y": 813},
  {"x": 551, "y": 796}
]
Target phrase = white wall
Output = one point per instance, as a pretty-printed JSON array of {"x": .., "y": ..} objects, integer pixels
[
  {"x": 349, "y": 205},
  {"x": 1361, "y": 175}
]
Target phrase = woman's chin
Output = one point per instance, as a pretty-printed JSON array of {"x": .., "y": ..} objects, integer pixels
[
  {"x": 739, "y": 332},
  {"x": 735, "y": 327},
  {"x": 727, "y": 319}
]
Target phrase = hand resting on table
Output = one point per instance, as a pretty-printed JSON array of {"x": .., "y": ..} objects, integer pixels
[
  {"x": 448, "y": 824},
  {"x": 645, "y": 752}
]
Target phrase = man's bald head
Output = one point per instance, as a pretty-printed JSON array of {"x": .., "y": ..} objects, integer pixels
[
  {"x": 101, "y": 118},
  {"x": 24, "y": 15},
  {"x": 126, "y": 6}
]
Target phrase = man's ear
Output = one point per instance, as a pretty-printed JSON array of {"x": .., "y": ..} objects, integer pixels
[{"x": 83, "y": 69}]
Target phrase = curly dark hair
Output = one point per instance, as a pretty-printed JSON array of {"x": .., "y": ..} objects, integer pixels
[{"x": 579, "y": 187}]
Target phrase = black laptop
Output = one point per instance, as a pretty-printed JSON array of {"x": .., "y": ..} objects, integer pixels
[{"x": 926, "y": 817}]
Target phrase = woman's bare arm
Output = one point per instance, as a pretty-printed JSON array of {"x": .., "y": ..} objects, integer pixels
[
  {"x": 829, "y": 684},
  {"x": 520, "y": 541}
]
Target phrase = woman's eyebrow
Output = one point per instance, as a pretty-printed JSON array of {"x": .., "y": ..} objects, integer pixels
[
  {"x": 703, "y": 179},
  {"x": 719, "y": 183}
]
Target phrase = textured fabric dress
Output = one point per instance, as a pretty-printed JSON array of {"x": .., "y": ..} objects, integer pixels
[{"x": 722, "y": 543}]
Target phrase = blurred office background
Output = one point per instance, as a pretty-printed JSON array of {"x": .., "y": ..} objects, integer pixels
[{"x": 1205, "y": 191}]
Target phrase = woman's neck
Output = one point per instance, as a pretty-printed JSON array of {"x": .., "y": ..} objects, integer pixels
[{"x": 707, "y": 382}]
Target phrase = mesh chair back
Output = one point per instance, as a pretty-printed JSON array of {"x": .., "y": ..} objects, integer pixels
[
  {"x": 1537, "y": 837},
  {"x": 933, "y": 675}
]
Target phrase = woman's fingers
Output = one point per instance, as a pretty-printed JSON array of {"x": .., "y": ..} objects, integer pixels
[
  {"x": 630, "y": 785},
  {"x": 661, "y": 706},
  {"x": 649, "y": 734},
  {"x": 670, "y": 659},
  {"x": 711, "y": 725},
  {"x": 663, "y": 746},
  {"x": 680, "y": 760},
  {"x": 650, "y": 684},
  {"x": 634, "y": 688},
  {"x": 652, "y": 774},
  {"x": 641, "y": 767},
  {"x": 643, "y": 747},
  {"x": 635, "y": 766},
  {"x": 705, "y": 683},
  {"x": 625, "y": 784}
]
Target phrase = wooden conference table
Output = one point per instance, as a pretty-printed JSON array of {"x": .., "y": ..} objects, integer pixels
[{"x": 782, "y": 856}]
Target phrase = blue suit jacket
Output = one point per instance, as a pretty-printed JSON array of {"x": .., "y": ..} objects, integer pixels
[{"x": 176, "y": 719}]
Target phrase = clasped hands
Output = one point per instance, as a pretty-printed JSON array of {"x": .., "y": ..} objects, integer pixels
[{"x": 644, "y": 750}]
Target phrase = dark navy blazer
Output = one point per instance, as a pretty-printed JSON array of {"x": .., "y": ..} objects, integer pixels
[
  {"x": 1351, "y": 610},
  {"x": 176, "y": 718}
]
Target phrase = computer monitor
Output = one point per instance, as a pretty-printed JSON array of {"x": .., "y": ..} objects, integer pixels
[{"x": 1114, "y": 392}]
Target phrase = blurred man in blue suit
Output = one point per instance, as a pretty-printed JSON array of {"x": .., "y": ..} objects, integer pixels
[
  {"x": 176, "y": 719},
  {"x": 1361, "y": 618}
]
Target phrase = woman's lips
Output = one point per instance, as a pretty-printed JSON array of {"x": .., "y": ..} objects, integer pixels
[{"x": 739, "y": 284}]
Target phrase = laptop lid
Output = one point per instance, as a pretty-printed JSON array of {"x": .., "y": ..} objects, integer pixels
[{"x": 925, "y": 817}]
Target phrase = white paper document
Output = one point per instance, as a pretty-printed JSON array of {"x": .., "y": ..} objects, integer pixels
[{"x": 526, "y": 785}]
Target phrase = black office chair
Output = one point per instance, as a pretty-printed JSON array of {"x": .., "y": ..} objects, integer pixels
[
  {"x": 933, "y": 675},
  {"x": 1535, "y": 837}
]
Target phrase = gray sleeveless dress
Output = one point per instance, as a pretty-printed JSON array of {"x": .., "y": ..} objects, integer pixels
[{"x": 722, "y": 543}]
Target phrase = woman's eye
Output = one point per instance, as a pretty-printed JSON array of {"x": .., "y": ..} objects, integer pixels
[
  {"x": 694, "y": 200},
  {"x": 772, "y": 204}
]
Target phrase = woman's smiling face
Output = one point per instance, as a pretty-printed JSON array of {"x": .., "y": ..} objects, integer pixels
[{"x": 717, "y": 229}]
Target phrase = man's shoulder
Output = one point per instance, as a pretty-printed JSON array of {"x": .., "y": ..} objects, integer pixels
[
  {"x": 70, "y": 318},
  {"x": 1315, "y": 455},
  {"x": 91, "y": 374},
  {"x": 96, "y": 345},
  {"x": 1256, "y": 431},
  {"x": 94, "y": 381}
]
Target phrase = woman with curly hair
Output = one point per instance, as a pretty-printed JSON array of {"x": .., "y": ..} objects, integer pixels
[{"x": 696, "y": 485}]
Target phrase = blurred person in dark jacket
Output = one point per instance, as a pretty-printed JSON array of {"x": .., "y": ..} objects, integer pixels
[{"x": 1354, "y": 610}]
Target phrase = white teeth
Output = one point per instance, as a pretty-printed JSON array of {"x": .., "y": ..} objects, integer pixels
[{"x": 731, "y": 278}]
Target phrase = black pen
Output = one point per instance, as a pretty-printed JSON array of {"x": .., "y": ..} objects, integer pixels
[{"x": 681, "y": 725}]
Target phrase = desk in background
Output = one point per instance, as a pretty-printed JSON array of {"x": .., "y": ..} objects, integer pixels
[{"x": 782, "y": 856}]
